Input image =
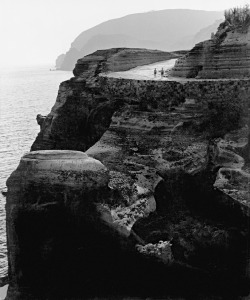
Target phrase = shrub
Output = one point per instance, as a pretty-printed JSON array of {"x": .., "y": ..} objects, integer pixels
[{"x": 238, "y": 16}]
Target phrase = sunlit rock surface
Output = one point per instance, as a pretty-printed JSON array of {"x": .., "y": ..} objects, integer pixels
[
  {"x": 226, "y": 55},
  {"x": 118, "y": 59},
  {"x": 140, "y": 147},
  {"x": 233, "y": 178},
  {"x": 161, "y": 250}
]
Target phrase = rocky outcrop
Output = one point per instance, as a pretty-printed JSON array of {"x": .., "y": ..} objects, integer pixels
[
  {"x": 124, "y": 149},
  {"x": 118, "y": 59},
  {"x": 64, "y": 244},
  {"x": 59, "y": 61},
  {"x": 50, "y": 195},
  {"x": 225, "y": 55},
  {"x": 40, "y": 119},
  {"x": 233, "y": 177},
  {"x": 93, "y": 102},
  {"x": 74, "y": 121},
  {"x": 147, "y": 210}
]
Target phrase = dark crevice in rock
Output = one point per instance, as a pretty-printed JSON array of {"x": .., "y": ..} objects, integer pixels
[{"x": 206, "y": 229}]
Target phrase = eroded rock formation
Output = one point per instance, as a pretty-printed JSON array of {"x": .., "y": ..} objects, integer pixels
[
  {"x": 64, "y": 244},
  {"x": 118, "y": 59},
  {"x": 124, "y": 149},
  {"x": 233, "y": 178},
  {"x": 50, "y": 195},
  {"x": 226, "y": 55},
  {"x": 163, "y": 152}
]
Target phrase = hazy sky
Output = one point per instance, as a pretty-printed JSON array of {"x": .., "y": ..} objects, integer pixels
[{"x": 36, "y": 31}]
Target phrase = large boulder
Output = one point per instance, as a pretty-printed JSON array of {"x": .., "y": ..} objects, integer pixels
[{"x": 51, "y": 197}]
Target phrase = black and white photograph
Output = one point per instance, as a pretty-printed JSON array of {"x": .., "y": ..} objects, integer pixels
[{"x": 124, "y": 150}]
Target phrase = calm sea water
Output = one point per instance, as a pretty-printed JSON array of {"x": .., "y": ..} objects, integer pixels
[{"x": 24, "y": 93}]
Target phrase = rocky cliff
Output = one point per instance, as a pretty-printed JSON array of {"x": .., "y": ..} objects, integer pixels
[
  {"x": 119, "y": 59},
  {"x": 157, "y": 206},
  {"x": 226, "y": 55},
  {"x": 59, "y": 61}
]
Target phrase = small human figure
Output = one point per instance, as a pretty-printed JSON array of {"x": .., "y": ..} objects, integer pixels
[
  {"x": 155, "y": 72},
  {"x": 162, "y": 72}
]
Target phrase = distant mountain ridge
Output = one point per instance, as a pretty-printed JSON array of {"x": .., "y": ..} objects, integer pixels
[{"x": 167, "y": 30}]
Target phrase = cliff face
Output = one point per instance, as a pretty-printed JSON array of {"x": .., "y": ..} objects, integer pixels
[
  {"x": 83, "y": 101},
  {"x": 59, "y": 61},
  {"x": 162, "y": 163},
  {"x": 52, "y": 197},
  {"x": 118, "y": 59},
  {"x": 226, "y": 55}
]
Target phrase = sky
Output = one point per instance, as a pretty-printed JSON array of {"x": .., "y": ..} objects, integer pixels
[{"x": 37, "y": 31}]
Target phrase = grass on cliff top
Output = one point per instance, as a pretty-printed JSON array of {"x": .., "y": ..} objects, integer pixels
[{"x": 238, "y": 16}]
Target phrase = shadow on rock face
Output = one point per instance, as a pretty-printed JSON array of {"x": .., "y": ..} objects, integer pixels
[
  {"x": 170, "y": 194},
  {"x": 199, "y": 237},
  {"x": 70, "y": 258}
]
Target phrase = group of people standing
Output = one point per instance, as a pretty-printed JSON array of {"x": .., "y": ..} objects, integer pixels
[{"x": 161, "y": 71}]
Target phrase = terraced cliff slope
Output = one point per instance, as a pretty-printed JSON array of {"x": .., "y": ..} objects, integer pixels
[{"x": 225, "y": 55}]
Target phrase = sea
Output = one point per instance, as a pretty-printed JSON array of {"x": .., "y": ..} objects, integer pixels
[{"x": 24, "y": 93}]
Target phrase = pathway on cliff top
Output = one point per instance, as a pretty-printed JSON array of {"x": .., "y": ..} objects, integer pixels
[{"x": 147, "y": 73}]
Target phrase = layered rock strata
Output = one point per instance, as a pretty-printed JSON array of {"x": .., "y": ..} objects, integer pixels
[
  {"x": 158, "y": 147},
  {"x": 233, "y": 177},
  {"x": 97, "y": 98},
  {"x": 119, "y": 59},
  {"x": 124, "y": 149},
  {"x": 226, "y": 55}
]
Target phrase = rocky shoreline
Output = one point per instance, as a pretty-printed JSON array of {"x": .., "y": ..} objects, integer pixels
[{"x": 157, "y": 206}]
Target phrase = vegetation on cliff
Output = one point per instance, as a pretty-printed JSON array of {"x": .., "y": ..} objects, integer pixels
[
  {"x": 225, "y": 55},
  {"x": 238, "y": 16}
]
